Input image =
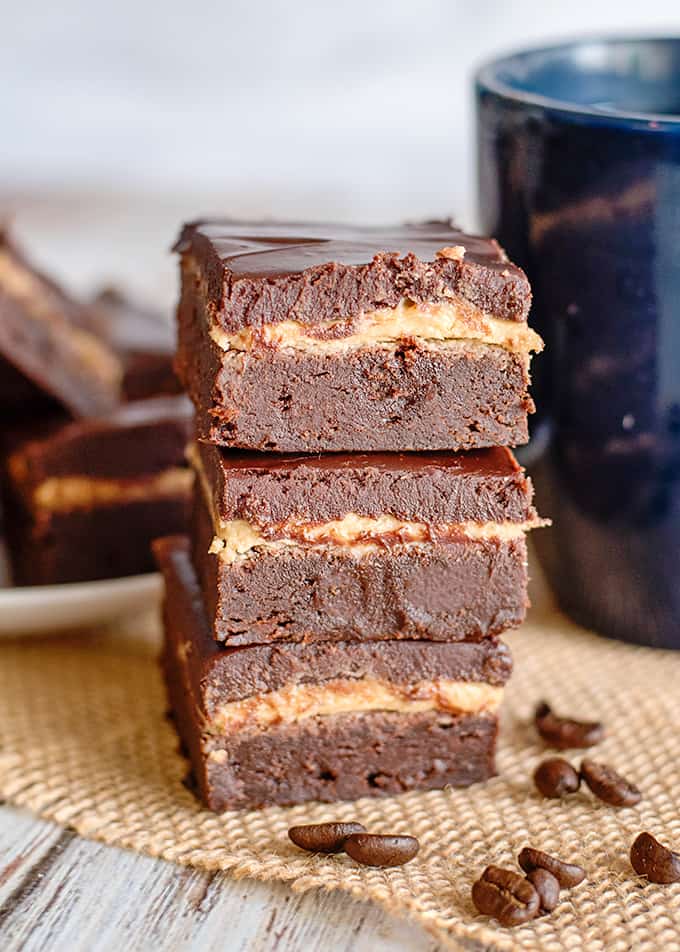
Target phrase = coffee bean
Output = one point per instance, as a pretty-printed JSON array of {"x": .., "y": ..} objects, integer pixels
[
  {"x": 608, "y": 785},
  {"x": 323, "y": 837},
  {"x": 566, "y": 874},
  {"x": 373, "y": 849},
  {"x": 555, "y": 777},
  {"x": 546, "y": 886},
  {"x": 649, "y": 858},
  {"x": 505, "y": 895},
  {"x": 565, "y": 732}
]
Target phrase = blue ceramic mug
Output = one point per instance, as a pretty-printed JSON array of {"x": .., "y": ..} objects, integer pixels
[{"x": 579, "y": 176}]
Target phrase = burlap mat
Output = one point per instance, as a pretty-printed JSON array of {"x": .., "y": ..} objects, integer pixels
[{"x": 84, "y": 741}]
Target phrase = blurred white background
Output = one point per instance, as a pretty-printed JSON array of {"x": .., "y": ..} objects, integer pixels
[{"x": 120, "y": 119}]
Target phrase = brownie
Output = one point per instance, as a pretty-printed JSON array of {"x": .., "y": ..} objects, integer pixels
[
  {"x": 288, "y": 723},
  {"x": 297, "y": 338},
  {"x": 53, "y": 356},
  {"x": 84, "y": 499},
  {"x": 144, "y": 338},
  {"x": 360, "y": 547}
]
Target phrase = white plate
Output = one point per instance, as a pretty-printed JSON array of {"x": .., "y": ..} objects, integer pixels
[{"x": 50, "y": 609}]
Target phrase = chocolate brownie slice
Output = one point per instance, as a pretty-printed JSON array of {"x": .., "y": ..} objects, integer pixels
[
  {"x": 49, "y": 356},
  {"x": 360, "y": 546},
  {"x": 288, "y": 723},
  {"x": 310, "y": 338},
  {"x": 85, "y": 499}
]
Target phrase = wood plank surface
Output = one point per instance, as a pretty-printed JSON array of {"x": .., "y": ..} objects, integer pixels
[{"x": 60, "y": 893}]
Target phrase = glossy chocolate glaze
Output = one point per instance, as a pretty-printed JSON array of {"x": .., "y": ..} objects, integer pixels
[
  {"x": 278, "y": 249},
  {"x": 434, "y": 488},
  {"x": 497, "y": 461}
]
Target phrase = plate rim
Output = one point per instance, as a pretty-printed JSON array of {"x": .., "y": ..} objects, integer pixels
[{"x": 66, "y": 590}]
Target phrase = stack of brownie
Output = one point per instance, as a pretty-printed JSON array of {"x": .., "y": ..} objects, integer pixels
[
  {"x": 358, "y": 533},
  {"x": 93, "y": 430}
]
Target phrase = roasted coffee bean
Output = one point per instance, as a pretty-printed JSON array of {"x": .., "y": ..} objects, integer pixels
[
  {"x": 373, "y": 849},
  {"x": 649, "y": 858},
  {"x": 565, "y": 732},
  {"x": 555, "y": 777},
  {"x": 323, "y": 837},
  {"x": 546, "y": 886},
  {"x": 505, "y": 895},
  {"x": 566, "y": 874},
  {"x": 608, "y": 785}
]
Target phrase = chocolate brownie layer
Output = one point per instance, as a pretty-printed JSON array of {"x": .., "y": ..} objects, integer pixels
[
  {"x": 282, "y": 725},
  {"x": 44, "y": 337},
  {"x": 136, "y": 439},
  {"x": 460, "y": 589},
  {"x": 259, "y": 273},
  {"x": 18, "y": 394},
  {"x": 406, "y": 396},
  {"x": 343, "y": 757},
  {"x": 267, "y": 489}
]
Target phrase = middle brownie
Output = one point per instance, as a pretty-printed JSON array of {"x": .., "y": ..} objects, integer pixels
[{"x": 362, "y": 546}]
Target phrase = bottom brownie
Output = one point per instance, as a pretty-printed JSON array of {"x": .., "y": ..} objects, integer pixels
[
  {"x": 289, "y": 723},
  {"x": 344, "y": 757}
]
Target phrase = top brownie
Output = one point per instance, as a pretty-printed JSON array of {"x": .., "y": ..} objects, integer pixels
[
  {"x": 328, "y": 338},
  {"x": 49, "y": 357}
]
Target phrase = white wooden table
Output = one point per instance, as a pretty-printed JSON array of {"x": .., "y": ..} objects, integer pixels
[{"x": 58, "y": 892}]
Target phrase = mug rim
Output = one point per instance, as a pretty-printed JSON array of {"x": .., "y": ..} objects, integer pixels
[{"x": 487, "y": 80}]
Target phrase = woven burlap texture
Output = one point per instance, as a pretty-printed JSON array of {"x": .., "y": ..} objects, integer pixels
[{"x": 84, "y": 741}]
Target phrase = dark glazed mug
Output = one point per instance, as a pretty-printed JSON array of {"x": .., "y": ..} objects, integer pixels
[{"x": 579, "y": 176}]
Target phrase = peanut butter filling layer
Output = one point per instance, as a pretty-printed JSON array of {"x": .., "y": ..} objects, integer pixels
[
  {"x": 454, "y": 320},
  {"x": 65, "y": 493},
  {"x": 24, "y": 287},
  {"x": 238, "y": 539},
  {"x": 296, "y": 702}
]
